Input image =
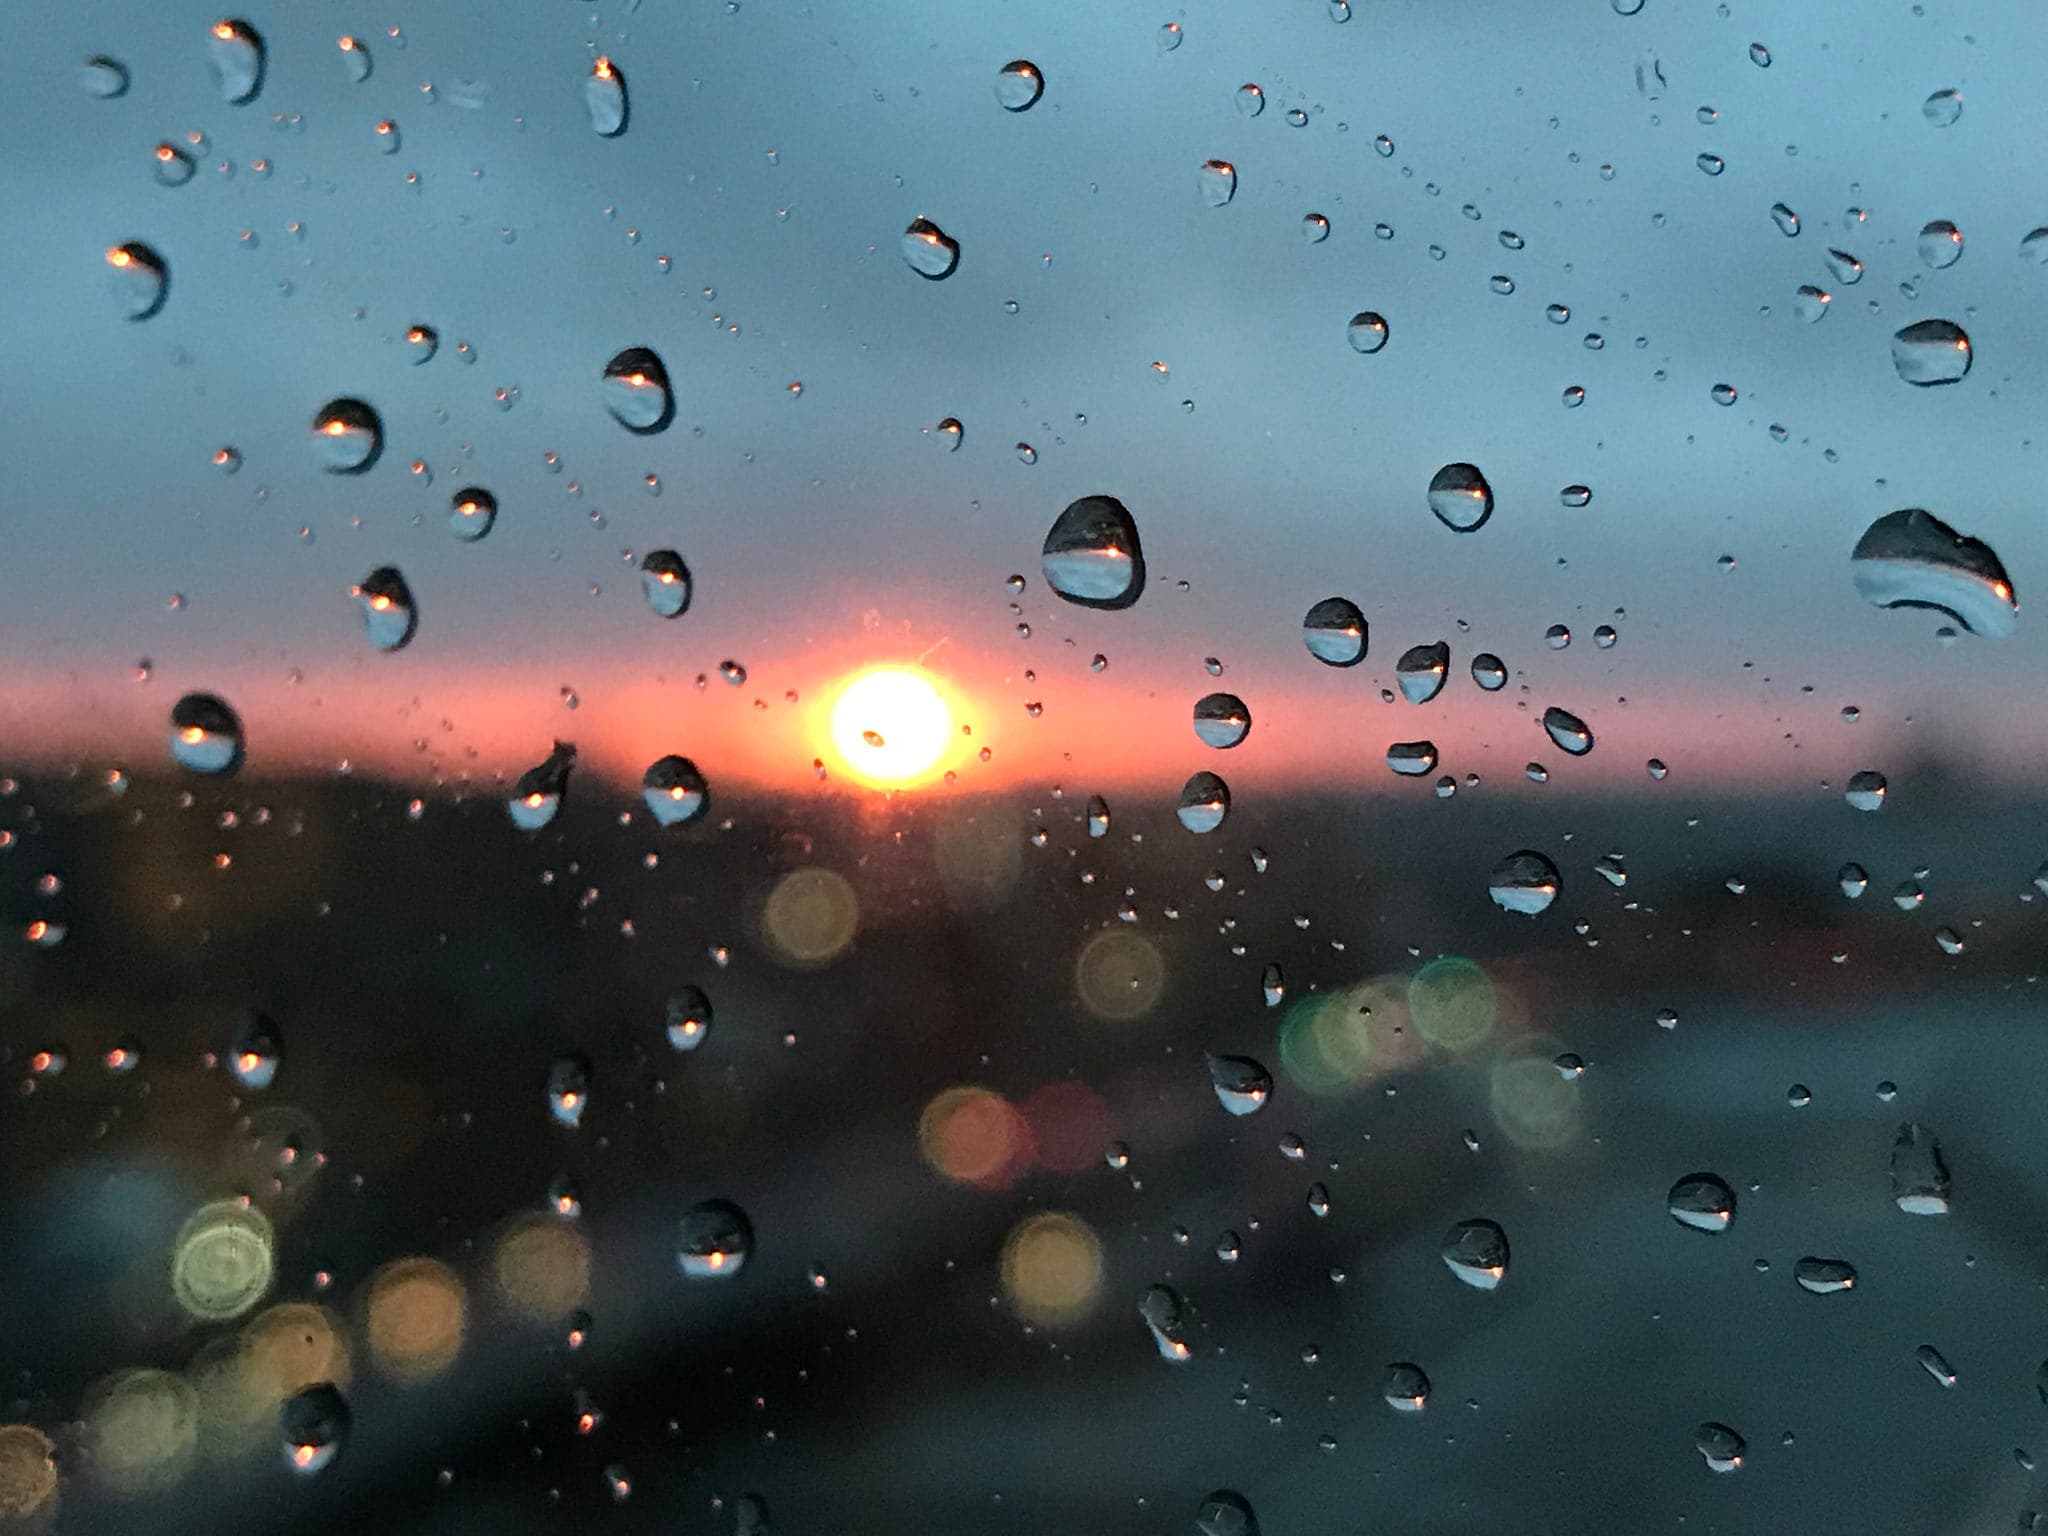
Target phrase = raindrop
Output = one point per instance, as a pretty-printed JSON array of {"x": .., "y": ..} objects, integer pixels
[
  {"x": 1557, "y": 637},
  {"x": 1164, "y": 1315},
  {"x": 1604, "y": 637},
  {"x": 1273, "y": 988},
  {"x": 1786, "y": 220},
  {"x": 1169, "y": 37},
  {"x": 355, "y": 59},
  {"x": 2034, "y": 246},
  {"x": 688, "y": 1018},
  {"x": 1702, "y": 1201},
  {"x": 675, "y": 792},
  {"x": 347, "y": 436},
  {"x": 1759, "y": 55},
  {"x": 1723, "y": 394},
  {"x": 1019, "y": 85},
  {"x": 1335, "y": 632},
  {"x": 139, "y": 279},
  {"x": 1575, "y": 496},
  {"x": 1721, "y": 1447},
  {"x": 948, "y": 433},
  {"x": 1942, "y": 108},
  {"x": 1907, "y": 895},
  {"x": 666, "y": 582},
  {"x": 1524, "y": 882},
  {"x": 1412, "y": 758},
  {"x": 1713, "y": 165},
  {"x": 173, "y": 166},
  {"x": 103, "y": 77},
  {"x": 386, "y": 137},
  {"x": 1226, "y": 1513},
  {"x": 1810, "y": 303},
  {"x": 1574, "y": 396},
  {"x": 1098, "y": 816},
  {"x": 604, "y": 98},
  {"x": 1221, "y": 720},
  {"x": 1933, "y": 1364},
  {"x": 930, "y": 251},
  {"x": 471, "y": 511},
  {"x": 1242, "y": 1085},
  {"x": 206, "y": 735},
  {"x": 421, "y": 343},
  {"x": 1217, "y": 180},
  {"x": 1477, "y": 1253},
  {"x": 1489, "y": 672},
  {"x": 1568, "y": 731},
  {"x": 1920, "y": 1179},
  {"x": 1092, "y": 555},
  {"x": 390, "y": 616},
  {"x": 1941, "y": 244},
  {"x": 314, "y": 1424},
  {"x": 1866, "y": 790},
  {"x": 713, "y": 1240},
  {"x": 1911, "y": 559},
  {"x": 1824, "y": 1277},
  {"x": 1852, "y": 880},
  {"x": 1405, "y": 1387},
  {"x": 1461, "y": 498},
  {"x": 1930, "y": 352},
  {"x": 1847, "y": 270},
  {"x": 1204, "y": 802},
  {"x": 537, "y": 793},
  {"x": 1251, "y": 101},
  {"x": 636, "y": 391},
  {"x": 1315, "y": 228},
  {"x": 1367, "y": 332},
  {"x": 1421, "y": 671},
  {"x": 568, "y": 1088},
  {"x": 255, "y": 1052},
  {"x": 234, "y": 52}
]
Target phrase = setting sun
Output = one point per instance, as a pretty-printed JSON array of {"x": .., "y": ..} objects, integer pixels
[{"x": 891, "y": 726}]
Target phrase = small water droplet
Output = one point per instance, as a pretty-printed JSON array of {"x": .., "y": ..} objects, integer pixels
[
  {"x": 1940, "y": 244},
  {"x": 347, "y": 436},
  {"x": 636, "y": 391},
  {"x": 1524, "y": 882},
  {"x": 929, "y": 251},
  {"x": 1251, "y": 101},
  {"x": 1919, "y": 1173},
  {"x": 255, "y": 1052},
  {"x": 1461, "y": 498},
  {"x": 1847, "y": 270},
  {"x": 1911, "y": 559},
  {"x": 673, "y": 789},
  {"x": 471, "y": 512},
  {"x": 1824, "y": 1277},
  {"x": 1335, "y": 632},
  {"x": 1242, "y": 1085},
  {"x": 1943, "y": 107},
  {"x": 665, "y": 581},
  {"x": 568, "y": 1088},
  {"x": 1421, "y": 671},
  {"x": 1568, "y": 731},
  {"x": 1489, "y": 672},
  {"x": 688, "y": 1018},
  {"x": 390, "y": 617},
  {"x": 206, "y": 735},
  {"x": 1721, "y": 1447},
  {"x": 1217, "y": 181},
  {"x": 537, "y": 793},
  {"x": 1412, "y": 758},
  {"x": 1866, "y": 790},
  {"x": 139, "y": 279},
  {"x": 1786, "y": 220},
  {"x": 1713, "y": 165},
  {"x": 314, "y": 1424},
  {"x": 1702, "y": 1201},
  {"x": 1165, "y": 1316},
  {"x": 1476, "y": 1251},
  {"x": 1221, "y": 720},
  {"x": 1367, "y": 332},
  {"x": 103, "y": 77}
]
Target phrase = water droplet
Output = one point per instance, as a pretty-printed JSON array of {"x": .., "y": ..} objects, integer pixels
[
  {"x": 1847, "y": 270},
  {"x": 1574, "y": 396},
  {"x": 1575, "y": 496},
  {"x": 666, "y": 582},
  {"x": 103, "y": 77},
  {"x": 713, "y": 1240},
  {"x": 173, "y": 166},
  {"x": 1759, "y": 55},
  {"x": 2034, "y": 246},
  {"x": 1941, "y": 244},
  {"x": 1228, "y": 1246},
  {"x": 355, "y": 59},
  {"x": 1019, "y": 85},
  {"x": 1204, "y": 802},
  {"x": 255, "y": 1052},
  {"x": 347, "y": 435},
  {"x": 948, "y": 433},
  {"x": 314, "y": 1424},
  {"x": 1217, "y": 181},
  {"x": 390, "y": 617},
  {"x": 1713, "y": 165},
  {"x": 1611, "y": 868},
  {"x": 1920, "y": 1179},
  {"x": 1315, "y": 228},
  {"x": 1169, "y": 37},
  {"x": 1273, "y": 988},
  {"x": 675, "y": 792},
  {"x": 1702, "y": 1201},
  {"x": 604, "y": 98},
  {"x": 1476, "y": 1252},
  {"x": 1942, "y": 108},
  {"x": 1027, "y": 454},
  {"x": 1367, "y": 332},
  {"x": 1412, "y": 758},
  {"x": 1251, "y": 101},
  {"x": 568, "y": 1088},
  {"x": 1164, "y": 1315},
  {"x": 1221, "y": 720},
  {"x": 138, "y": 278},
  {"x": 1461, "y": 498},
  {"x": 636, "y": 391},
  {"x": 1852, "y": 880},
  {"x": 1098, "y": 816},
  {"x": 688, "y": 1017},
  {"x": 1405, "y": 1387},
  {"x": 1489, "y": 672},
  {"x": 1335, "y": 632},
  {"x": 421, "y": 343},
  {"x": 384, "y": 135},
  {"x": 206, "y": 735},
  {"x": 1933, "y": 1364},
  {"x": 1930, "y": 352},
  {"x": 1824, "y": 1277},
  {"x": 1242, "y": 1085},
  {"x": 1723, "y": 394},
  {"x": 1568, "y": 731},
  {"x": 1811, "y": 304},
  {"x": 1786, "y": 220},
  {"x": 471, "y": 511},
  {"x": 1570, "y": 1066},
  {"x": 929, "y": 250},
  {"x": 1911, "y": 559},
  {"x": 1525, "y": 882},
  {"x": 1421, "y": 671},
  {"x": 1226, "y": 1513},
  {"x": 1866, "y": 790},
  {"x": 1092, "y": 555},
  {"x": 537, "y": 793},
  {"x": 234, "y": 53},
  {"x": 1720, "y": 1446}
]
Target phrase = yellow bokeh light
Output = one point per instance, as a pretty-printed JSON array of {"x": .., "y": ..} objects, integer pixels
[
  {"x": 28, "y": 1471},
  {"x": 810, "y": 917},
  {"x": 891, "y": 727},
  {"x": 140, "y": 1430},
  {"x": 1052, "y": 1268},
  {"x": 416, "y": 1315},
  {"x": 542, "y": 1268},
  {"x": 222, "y": 1262}
]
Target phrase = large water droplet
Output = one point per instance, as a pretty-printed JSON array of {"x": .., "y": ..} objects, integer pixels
[
  {"x": 390, "y": 617},
  {"x": 1824, "y": 1277},
  {"x": 1702, "y": 1201},
  {"x": 930, "y": 251},
  {"x": 1092, "y": 555},
  {"x": 1251, "y": 100},
  {"x": 1242, "y": 1085},
  {"x": 1461, "y": 498},
  {"x": 471, "y": 512},
  {"x": 1853, "y": 880},
  {"x": 1720, "y": 1446},
  {"x": 1920, "y": 1179},
  {"x": 636, "y": 391},
  {"x": 234, "y": 53},
  {"x": 138, "y": 278},
  {"x": 255, "y": 1052},
  {"x": 206, "y": 735},
  {"x": 1367, "y": 332},
  {"x": 1568, "y": 731},
  {"x": 347, "y": 435},
  {"x": 355, "y": 59},
  {"x": 103, "y": 77},
  {"x": 1476, "y": 1252},
  {"x": 1847, "y": 270},
  {"x": 1165, "y": 1316},
  {"x": 1912, "y": 559},
  {"x": 1786, "y": 220},
  {"x": 1412, "y": 758},
  {"x": 1217, "y": 180},
  {"x": 1098, "y": 816},
  {"x": 1930, "y": 352},
  {"x": 1943, "y": 107},
  {"x": 1489, "y": 672},
  {"x": 537, "y": 793},
  {"x": 674, "y": 790},
  {"x": 1866, "y": 790},
  {"x": 173, "y": 166},
  {"x": 1204, "y": 802},
  {"x": 1405, "y": 1387},
  {"x": 1811, "y": 304},
  {"x": 1941, "y": 244},
  {"x": 1525, "y": 882},
  {"x": 1019, "y": 85},
  {"x": 1422, "y": 669},
  {"x": 1934, "y": 1364},
  {"x": 1226, "y": 1513},
  {"x": 604, "y": 98},
  {"x": 713, "y": 1240},
  {"x": 2034, "y": 246},
  {"x": 666, "y": 581},
  {"x": 314, "y": 1425},
  {"x": 688, "y": 1018},
  {"x": 1221, "y": 720},
  {"x": 1335, "y": 632}
]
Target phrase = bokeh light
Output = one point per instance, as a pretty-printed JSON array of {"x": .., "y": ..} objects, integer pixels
[
  {"x": 141, "y": 1428},
  {"x": 1119, "y": 975},
  {"x": 1052, "y": 1268},
  {"x": 973, "y": 1136},
  {"x": 1453, "y": 1004},
  {"x": 415, "y": 1317},
  {"x": 542, "y": 1268},
  {"x": 223, "y": 1261},
  {"x": 28, "y": 1472},
  {"x": 1534, "y": 1105},
  {"x": 810, "y": 917}
]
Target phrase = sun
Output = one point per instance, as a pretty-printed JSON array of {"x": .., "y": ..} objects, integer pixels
[{"x": 891, "y": 726}]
